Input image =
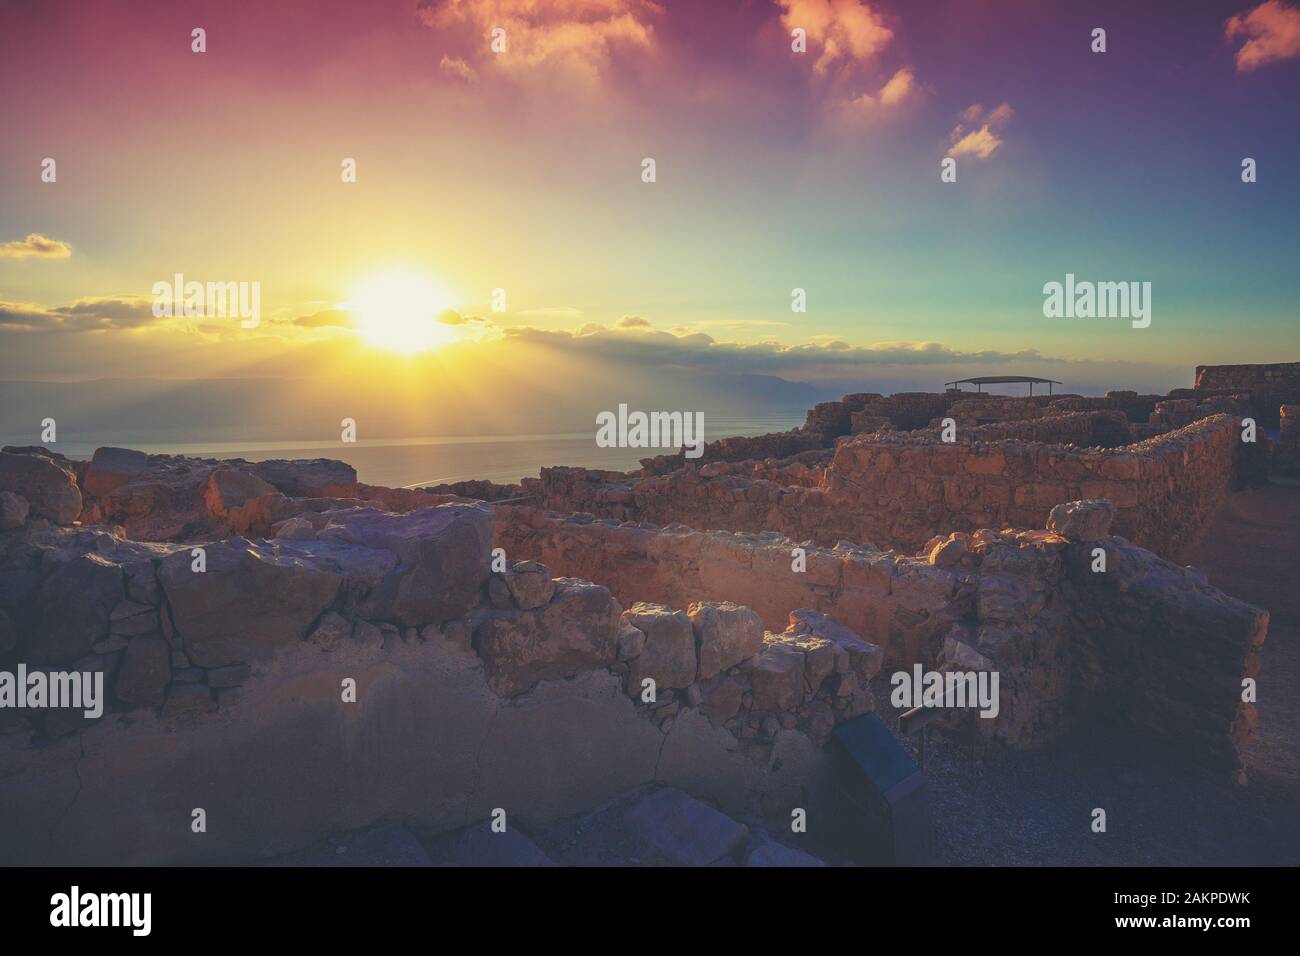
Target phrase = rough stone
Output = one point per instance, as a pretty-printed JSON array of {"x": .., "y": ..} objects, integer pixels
[
  {"x": 1082, "y": 520},
  {"x": 669, "y": 653},
  {"x": 530, "y": 584},
  {"x": 250, "y": 600},
  {"x": 310, "y": 478},
  {"x": 777, "y": 676},
  {"x": 110, "y": 468},
  {"x": 442, "y": 553},
  {"x": 48, "y": 486},
  {"x": 72, "y": 607},
  {"x": 577, "y": 631},
  {"x": 13, "y": 511},
  {"x": 725, "y": 633}
]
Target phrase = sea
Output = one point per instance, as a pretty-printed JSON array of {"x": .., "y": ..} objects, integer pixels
[{"x": 416, "y": 462}]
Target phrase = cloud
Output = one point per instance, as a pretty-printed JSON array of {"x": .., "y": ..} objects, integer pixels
[
  {"x": 452, "y": 317},
  {"x": 702, "y": 353},
  {"x": 326, "y": 318},
  {"x": 35, "y": 245},
  {"x": 847, "y": 38},
  {"x": 98, "y": 314},
  {"x": 577, "y": 38},
  {"x": 899, "y": 89},
  {"x": 457, "y": 68},
  {"x": 1272, "y": 30},
  {"x": 846, "y": 30},
  {"x": 976, "y": 132},
  {"x": 633, "y": 322}
]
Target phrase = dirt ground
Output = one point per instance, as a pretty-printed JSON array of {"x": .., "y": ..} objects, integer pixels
[{"x": 1036, "y": 809}]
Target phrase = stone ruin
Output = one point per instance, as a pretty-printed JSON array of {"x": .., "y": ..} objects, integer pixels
[{"x": 765, "y": 593}]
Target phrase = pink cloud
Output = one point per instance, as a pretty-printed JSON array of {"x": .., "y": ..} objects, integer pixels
[
  {"x": 577, "y": 39},
  {"x": 844, "y": 29},
  {"x": 1272, "y": 30},
  {"x": 977, "y": 131}
]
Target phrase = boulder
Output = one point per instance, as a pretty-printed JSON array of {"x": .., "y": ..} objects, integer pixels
[
  {"x": 251, "y": 599},
  {"x": 48, "y": 485},
  {"x": 864, "y": 658},
  {"x": 1082, "y": 520},
  {"x": 948, "y": 552},
  {"x": 310, "y": 478},
  {"x": 530, "y": 584},
  {"x": 442, "y": 559},
  {"x": 669, "y": 653},
  {"x": 162, "y": 503},
  {"x": 631, "y": 642},
  {"x": 110, "y": 468},
  {"x": 776, "y": 678},
  {"x": 721, "y": 698},
  {"x": 13, "y": 511},
  {"x": 227, "y": 489},
  {"x": 577, "y": 631},
  {"x": 725, "y": 633}
]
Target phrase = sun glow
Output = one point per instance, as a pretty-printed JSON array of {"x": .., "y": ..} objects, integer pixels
[{"x": 400, "y": 311}]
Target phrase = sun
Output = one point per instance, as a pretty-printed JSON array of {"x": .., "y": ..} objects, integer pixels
[{"x": 400, "y": 311}]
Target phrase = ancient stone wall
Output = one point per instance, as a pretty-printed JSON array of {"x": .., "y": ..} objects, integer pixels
[
  {"x": 899, "y": 490},
  {"x": 1103, "y": 429},
  {"x": 863, "y": 412},
  {"x": 471, "y": 690},
  {"x": 902, "y": 490},
  {"x": 1071, "y": 643},
  {"x": 741, "y": 448},
  {"x": 1270, "y": 386},
  {"x": 985, "y": 409}
]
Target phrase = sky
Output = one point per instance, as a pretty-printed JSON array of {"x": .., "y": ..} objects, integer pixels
[{"x": 522, "y": 170}]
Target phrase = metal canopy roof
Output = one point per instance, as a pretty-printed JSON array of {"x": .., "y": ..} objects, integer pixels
[
  {"x": 1005, "y": 380},
  {"x": 1002, "y": 380}
]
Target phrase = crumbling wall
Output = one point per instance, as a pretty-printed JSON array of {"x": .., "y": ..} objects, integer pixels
[
  {"x": 228, "y": 690},
  {"x": 865, "y": 411},
  {"x": 1104, "y": 429},
  {"x": 741, "y": 448},
  {"x": 986, "y": 409},
  {"x": 1270, "y": 386},
  {"x": 903, "y": 489},
  {"x": 1136, "y": 640},
  {"x": 899, "y": 490}
]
